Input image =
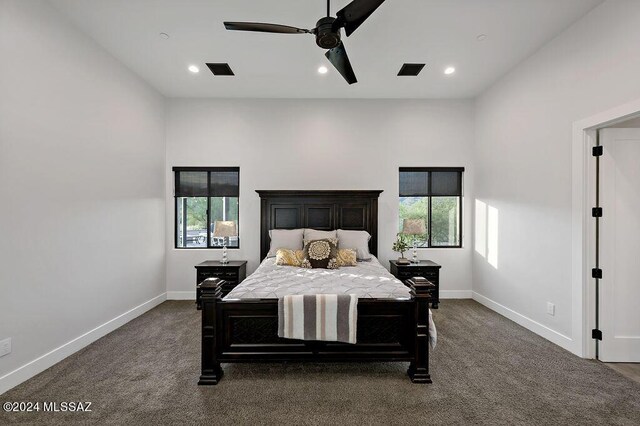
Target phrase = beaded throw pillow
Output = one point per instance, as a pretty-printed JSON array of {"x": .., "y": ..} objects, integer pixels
[
  {"x": 288, "y": 257},
  {"x": 347, "y": 257},
  {"x": 321, "y": 253}
]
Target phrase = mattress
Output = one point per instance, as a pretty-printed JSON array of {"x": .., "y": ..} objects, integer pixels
[{"x": 366, "y": 280}]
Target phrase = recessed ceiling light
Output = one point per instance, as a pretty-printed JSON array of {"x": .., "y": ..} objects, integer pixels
[
  {"x": 194, "y": 69},
  {"x": 164, "y": 36},
  {"x": 449, "y": 70},
  {"x": 323, "y": 69},
  {"x": 481, "y": 37}
]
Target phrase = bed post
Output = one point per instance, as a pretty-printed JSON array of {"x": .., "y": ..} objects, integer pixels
[
  {"x": 210, "y": 297},
  {"x": 419, "y": 368}
]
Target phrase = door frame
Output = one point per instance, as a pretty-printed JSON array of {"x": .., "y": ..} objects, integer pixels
[{"x": 583, "y": 224}]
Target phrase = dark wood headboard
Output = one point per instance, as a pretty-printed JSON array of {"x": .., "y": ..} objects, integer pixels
[{"x": 325, "y": 210}]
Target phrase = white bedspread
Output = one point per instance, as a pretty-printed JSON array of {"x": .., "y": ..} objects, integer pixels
[{"x": 367, "y": 280}]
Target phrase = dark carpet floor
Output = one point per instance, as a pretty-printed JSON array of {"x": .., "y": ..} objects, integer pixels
[{"x": 486, "y": 370}]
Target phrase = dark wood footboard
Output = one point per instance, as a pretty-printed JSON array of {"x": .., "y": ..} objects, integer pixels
[{"x": 247, "y": 331}]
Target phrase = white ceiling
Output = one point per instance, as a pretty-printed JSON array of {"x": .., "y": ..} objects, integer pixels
[{"x": 437, "y": 32}]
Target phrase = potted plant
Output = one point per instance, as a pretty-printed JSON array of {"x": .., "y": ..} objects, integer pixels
[{"x": 401, "y": 245}]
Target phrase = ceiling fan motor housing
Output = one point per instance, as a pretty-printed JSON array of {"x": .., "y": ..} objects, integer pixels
[{"x": 326, "y": 36}]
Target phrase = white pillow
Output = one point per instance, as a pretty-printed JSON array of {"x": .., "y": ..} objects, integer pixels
[
  {"x": 285, "y": 238},
  {"x": 358, "y": 240},
  {"x": 314, "y": 234}
]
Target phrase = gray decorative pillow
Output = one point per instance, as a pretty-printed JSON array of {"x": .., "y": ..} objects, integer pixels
[
  {"x": 359, "y": 240},
  {"x": 314, "y": 234},
  {"x": 286, "y": 239}
]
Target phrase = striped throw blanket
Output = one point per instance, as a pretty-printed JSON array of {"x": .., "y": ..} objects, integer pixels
[{"x": 328, "y": 317}]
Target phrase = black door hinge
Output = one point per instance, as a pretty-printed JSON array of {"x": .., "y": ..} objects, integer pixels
[
  {"x": 596, "y": 334},
  {"x": 598, "y": 151},
  {"x": 596, "y": 212},
  {"x": 596, "y": 273}
]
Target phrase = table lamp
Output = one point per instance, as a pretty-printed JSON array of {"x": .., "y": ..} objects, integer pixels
[
  {"x": 225, "y": 229},
  {"x": 414, "y": 227}
]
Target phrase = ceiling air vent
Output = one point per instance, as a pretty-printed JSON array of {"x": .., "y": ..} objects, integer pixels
[
  {"x": 410, "y": 70},
  {"x": 220, "y": 69}
]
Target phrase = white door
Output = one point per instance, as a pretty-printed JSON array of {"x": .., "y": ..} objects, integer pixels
[{"x": 620, "y": 245}]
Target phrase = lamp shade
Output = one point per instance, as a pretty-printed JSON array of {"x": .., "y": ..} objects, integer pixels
[
  {"x": 414, "y": 227},
  {"x": 224, "y": 228}
]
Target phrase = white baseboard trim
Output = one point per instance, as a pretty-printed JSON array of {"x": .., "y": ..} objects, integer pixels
[
  {"x": 456, "y": 294},
  {"x": 534, "y": 326},
  {"x": 38, "y": 365},
  {"x": 181, "y": 295}
]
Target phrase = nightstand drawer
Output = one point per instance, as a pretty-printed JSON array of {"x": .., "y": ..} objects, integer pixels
[
  {"x": 428, "y": 274},
  {"x": 227, "y": 276},
  {"x": 203, "y": 275},
  {"x": 416, "y": 272},
  {"x": 403, "y": 275}
]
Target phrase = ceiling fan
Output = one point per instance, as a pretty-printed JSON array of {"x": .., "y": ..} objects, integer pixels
[{"x": 327, "y": 31}]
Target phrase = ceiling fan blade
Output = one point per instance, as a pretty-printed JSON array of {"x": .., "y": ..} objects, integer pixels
[
  {"x": 339, "y": 59},
  {"x": 264, "y": 28},
  {"x": 355, "y": 13}
]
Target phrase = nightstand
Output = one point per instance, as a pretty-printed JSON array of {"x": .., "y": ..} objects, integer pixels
[
  {"x": 233, "y": 273},
  {"x": 426, "y": 268}
]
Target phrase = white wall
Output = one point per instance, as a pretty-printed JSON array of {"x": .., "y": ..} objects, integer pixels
[
  {"x": 318, "y": 144},
  {"x": 82, "y": 157},
  {"x": 523, "y": 162},
  {"x": 634, "y": 123},
  {"x": 81, "y": 189}
]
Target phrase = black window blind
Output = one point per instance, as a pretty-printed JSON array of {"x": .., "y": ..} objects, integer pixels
[
  {"x": 223, "y": 183},
  {"x": 191, "y": 184},
  {"x": 207, "y": 182},
  {"x": 426, "y": 182}
]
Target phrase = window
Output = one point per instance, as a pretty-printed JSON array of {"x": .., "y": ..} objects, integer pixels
[
  {"x": 204, "y": 197},
  {"x": 432, "y": 196}
]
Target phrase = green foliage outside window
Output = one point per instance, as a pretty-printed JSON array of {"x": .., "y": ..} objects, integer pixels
[
  {"x": 444, "y": 219},
  {"x": 415, "y": 208},
  {"x": 197, "y": 211},
  {"x": 217, "y": 208}
]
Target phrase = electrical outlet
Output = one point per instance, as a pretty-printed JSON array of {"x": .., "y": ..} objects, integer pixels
[
  {"x": 551, "y": 308},
  {"x": 5, "y": 347}
]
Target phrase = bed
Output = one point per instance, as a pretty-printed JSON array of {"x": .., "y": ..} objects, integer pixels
[{"x": 393, "y": 317}]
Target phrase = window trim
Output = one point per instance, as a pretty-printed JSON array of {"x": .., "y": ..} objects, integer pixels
[
  {"x": 175, "y": 204},
  {"x": 429, "y": 170}
]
